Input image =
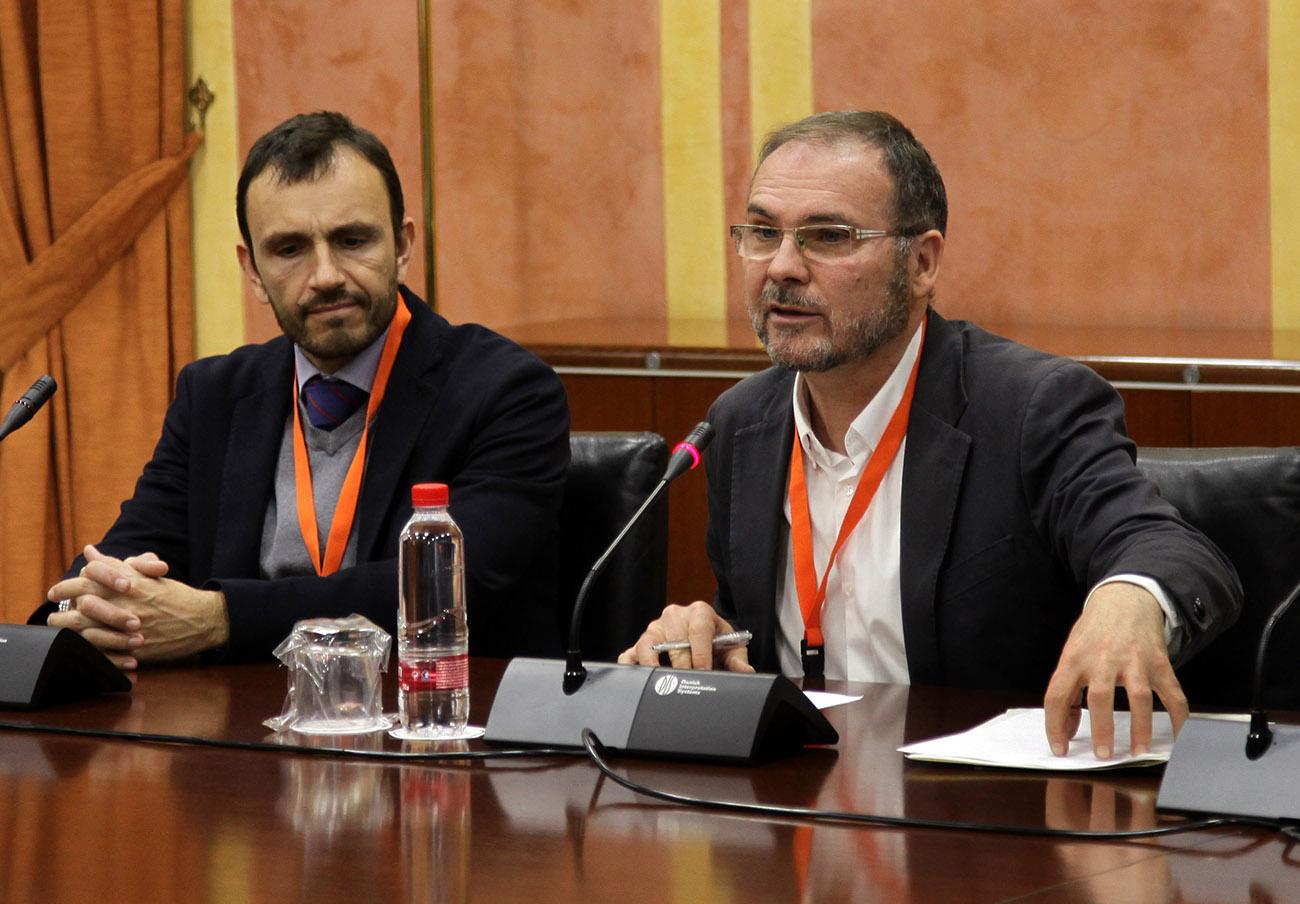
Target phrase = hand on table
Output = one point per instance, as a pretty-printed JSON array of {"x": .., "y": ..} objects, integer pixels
[
  {"x": 1118, "y": 641},
  {"x": 697, "y": 623},
  {"x": 132, "y": 613}
]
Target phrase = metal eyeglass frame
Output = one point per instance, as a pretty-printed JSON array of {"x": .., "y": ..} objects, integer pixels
[{"x": 799, "y": 233}]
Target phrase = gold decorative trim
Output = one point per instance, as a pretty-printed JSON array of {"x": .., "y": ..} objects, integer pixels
[
  {"x": 426, "y": 155},
  {"x": 201, "y": 98}
]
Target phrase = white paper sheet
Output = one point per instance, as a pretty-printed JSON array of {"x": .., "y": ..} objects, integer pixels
[{"x": 1017, "y": 740}]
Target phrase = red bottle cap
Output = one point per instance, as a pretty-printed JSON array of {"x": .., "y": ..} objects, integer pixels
[{"x": 427, "y": 495}]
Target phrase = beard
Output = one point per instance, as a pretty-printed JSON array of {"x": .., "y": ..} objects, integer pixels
[
  {"x": 846, "y": 339},
  {"x": 330, "y": 338}
]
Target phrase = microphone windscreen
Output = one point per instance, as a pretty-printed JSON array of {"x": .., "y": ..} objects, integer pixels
[
  {"x": 700, "y": 436},
  {"x": 686, "y": 454},
  {"x": 41, "y": 391},
  {"x": 28, "y": 404}
]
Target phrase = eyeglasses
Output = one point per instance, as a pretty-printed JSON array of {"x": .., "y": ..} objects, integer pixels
[{"x": 817, "y": 242}]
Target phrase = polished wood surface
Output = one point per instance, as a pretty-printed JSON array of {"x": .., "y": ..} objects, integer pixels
[{"x": 116, "y": 820}]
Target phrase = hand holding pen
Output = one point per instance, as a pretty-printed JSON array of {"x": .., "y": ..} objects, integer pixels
[
  {"x": 717, "y": 645},
  {"x": 720, "y": 642}
]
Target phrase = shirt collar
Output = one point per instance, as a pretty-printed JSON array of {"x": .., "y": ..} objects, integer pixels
[
  {"x": 360, "y": 371},
  {"x": 864, "y": 433}
]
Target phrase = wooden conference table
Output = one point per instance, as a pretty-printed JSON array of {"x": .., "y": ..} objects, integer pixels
[{"x": 86, "y": 819}]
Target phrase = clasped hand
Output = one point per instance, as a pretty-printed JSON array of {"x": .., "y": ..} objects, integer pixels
[
  {"x": 133, "y": 613},
  {"x": 1118, "y": 641}
]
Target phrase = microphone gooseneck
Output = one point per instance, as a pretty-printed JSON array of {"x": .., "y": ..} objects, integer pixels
[
  {"x": 685, "y": 457},
  {"x": 28, "y": 404},
  {"x": 1261, "y": 735}
]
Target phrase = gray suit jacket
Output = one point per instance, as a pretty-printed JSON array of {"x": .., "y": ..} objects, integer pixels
[{"x": 1019, "y": 494}]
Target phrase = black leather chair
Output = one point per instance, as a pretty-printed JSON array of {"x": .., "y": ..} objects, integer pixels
[
  {"x": 1247, "y": 501},
  {"x": 610, "y": 475}
]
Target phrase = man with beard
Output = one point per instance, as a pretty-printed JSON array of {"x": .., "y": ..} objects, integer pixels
[
  {"x": 909, "y": 499},
  {"x": 283, "y": 474}
]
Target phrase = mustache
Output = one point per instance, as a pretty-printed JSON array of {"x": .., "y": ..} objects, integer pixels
[
  {"x": 788, "y": 298},
  {"x": 330, "y": 298}
]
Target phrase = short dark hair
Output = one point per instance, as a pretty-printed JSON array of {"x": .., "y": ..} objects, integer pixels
[
  {"x": 920, "y": 201},
  {"x": 303, "y": 148}
]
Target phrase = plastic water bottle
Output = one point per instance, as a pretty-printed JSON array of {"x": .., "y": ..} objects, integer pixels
[{"x": 432, "y": 631}]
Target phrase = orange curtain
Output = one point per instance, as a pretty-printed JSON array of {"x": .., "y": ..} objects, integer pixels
[{"x": 95, "y": 281}]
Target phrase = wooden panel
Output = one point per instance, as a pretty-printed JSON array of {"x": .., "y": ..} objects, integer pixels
[
  {"x": 1158, "y": 417},
  {"x": 610, "y": 403},
  {"x": 1245, "y": 419}
]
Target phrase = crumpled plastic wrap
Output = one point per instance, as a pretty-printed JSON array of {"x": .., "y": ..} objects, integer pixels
[{"x": 334, "y": 676}]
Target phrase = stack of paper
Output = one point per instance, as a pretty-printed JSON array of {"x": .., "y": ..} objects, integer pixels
[{"x": 1017, "y": 740}]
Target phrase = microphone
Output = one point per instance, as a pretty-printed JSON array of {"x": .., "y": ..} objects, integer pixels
[
  {"x": 685, "y": 457},
  {"x": 686, "y": 454},
  {"x": 40, "y": 665},
  {"x": 28, "y": 404},
  {"x": 1261, "y": 735},
  {"x": 656, "y": 711},
  {"x": 1205, "y": 771}
]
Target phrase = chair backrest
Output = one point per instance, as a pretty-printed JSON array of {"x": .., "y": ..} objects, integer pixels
[
  {"x": 1247, "y": 501},
  {"x": 610, "y": 476}
]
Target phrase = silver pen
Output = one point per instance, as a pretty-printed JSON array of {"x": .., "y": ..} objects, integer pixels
[{"x": 720, "y": 642}]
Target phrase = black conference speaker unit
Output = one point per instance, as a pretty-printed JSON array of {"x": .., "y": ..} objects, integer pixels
[
  {"x": 40, "y": 665},
  {"x": 1209, "y": 773},
  {"x": 653, "y": 711},
  {"x": 1213, "y": 769},
  {"x": 662, "y": 712}
]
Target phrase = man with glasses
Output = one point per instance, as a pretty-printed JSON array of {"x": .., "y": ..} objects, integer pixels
[
  {"x": 909, "y": 499},
  {"x": 284, "y": 471}
]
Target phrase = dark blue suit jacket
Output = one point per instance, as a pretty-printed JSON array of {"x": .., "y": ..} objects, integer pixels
[
  {"x": 1019, "y": 494},
  {"x": 464, "y": 406}
]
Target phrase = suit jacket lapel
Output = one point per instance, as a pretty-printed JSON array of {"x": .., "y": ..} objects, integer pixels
[
  {"x": 248, "y": 472},
  {"x": 761, "y": 461},
  {"x": 933, "y": 464},
  {"x": 399, "y": 425}
]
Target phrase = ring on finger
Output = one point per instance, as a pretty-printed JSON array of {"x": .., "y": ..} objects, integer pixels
[{"x": 65, "y": 605}]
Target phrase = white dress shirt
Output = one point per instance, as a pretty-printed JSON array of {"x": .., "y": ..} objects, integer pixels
[{"x": 862, "y": 616}]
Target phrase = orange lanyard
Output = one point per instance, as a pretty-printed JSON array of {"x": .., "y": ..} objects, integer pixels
[
  {"x": 811, "y": 592},
  {"x": 346, "y": 509}
]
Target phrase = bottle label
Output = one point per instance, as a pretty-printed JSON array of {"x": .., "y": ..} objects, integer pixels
[{"x": 449, "y": 673}]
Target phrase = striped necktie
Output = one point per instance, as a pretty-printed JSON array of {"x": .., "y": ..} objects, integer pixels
[{"x": 331, "y": 402}]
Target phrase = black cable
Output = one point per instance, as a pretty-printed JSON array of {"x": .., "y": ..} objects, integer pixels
[
  {"x": 351, "y": 753},
  {"x": 595, "y": 750}
]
